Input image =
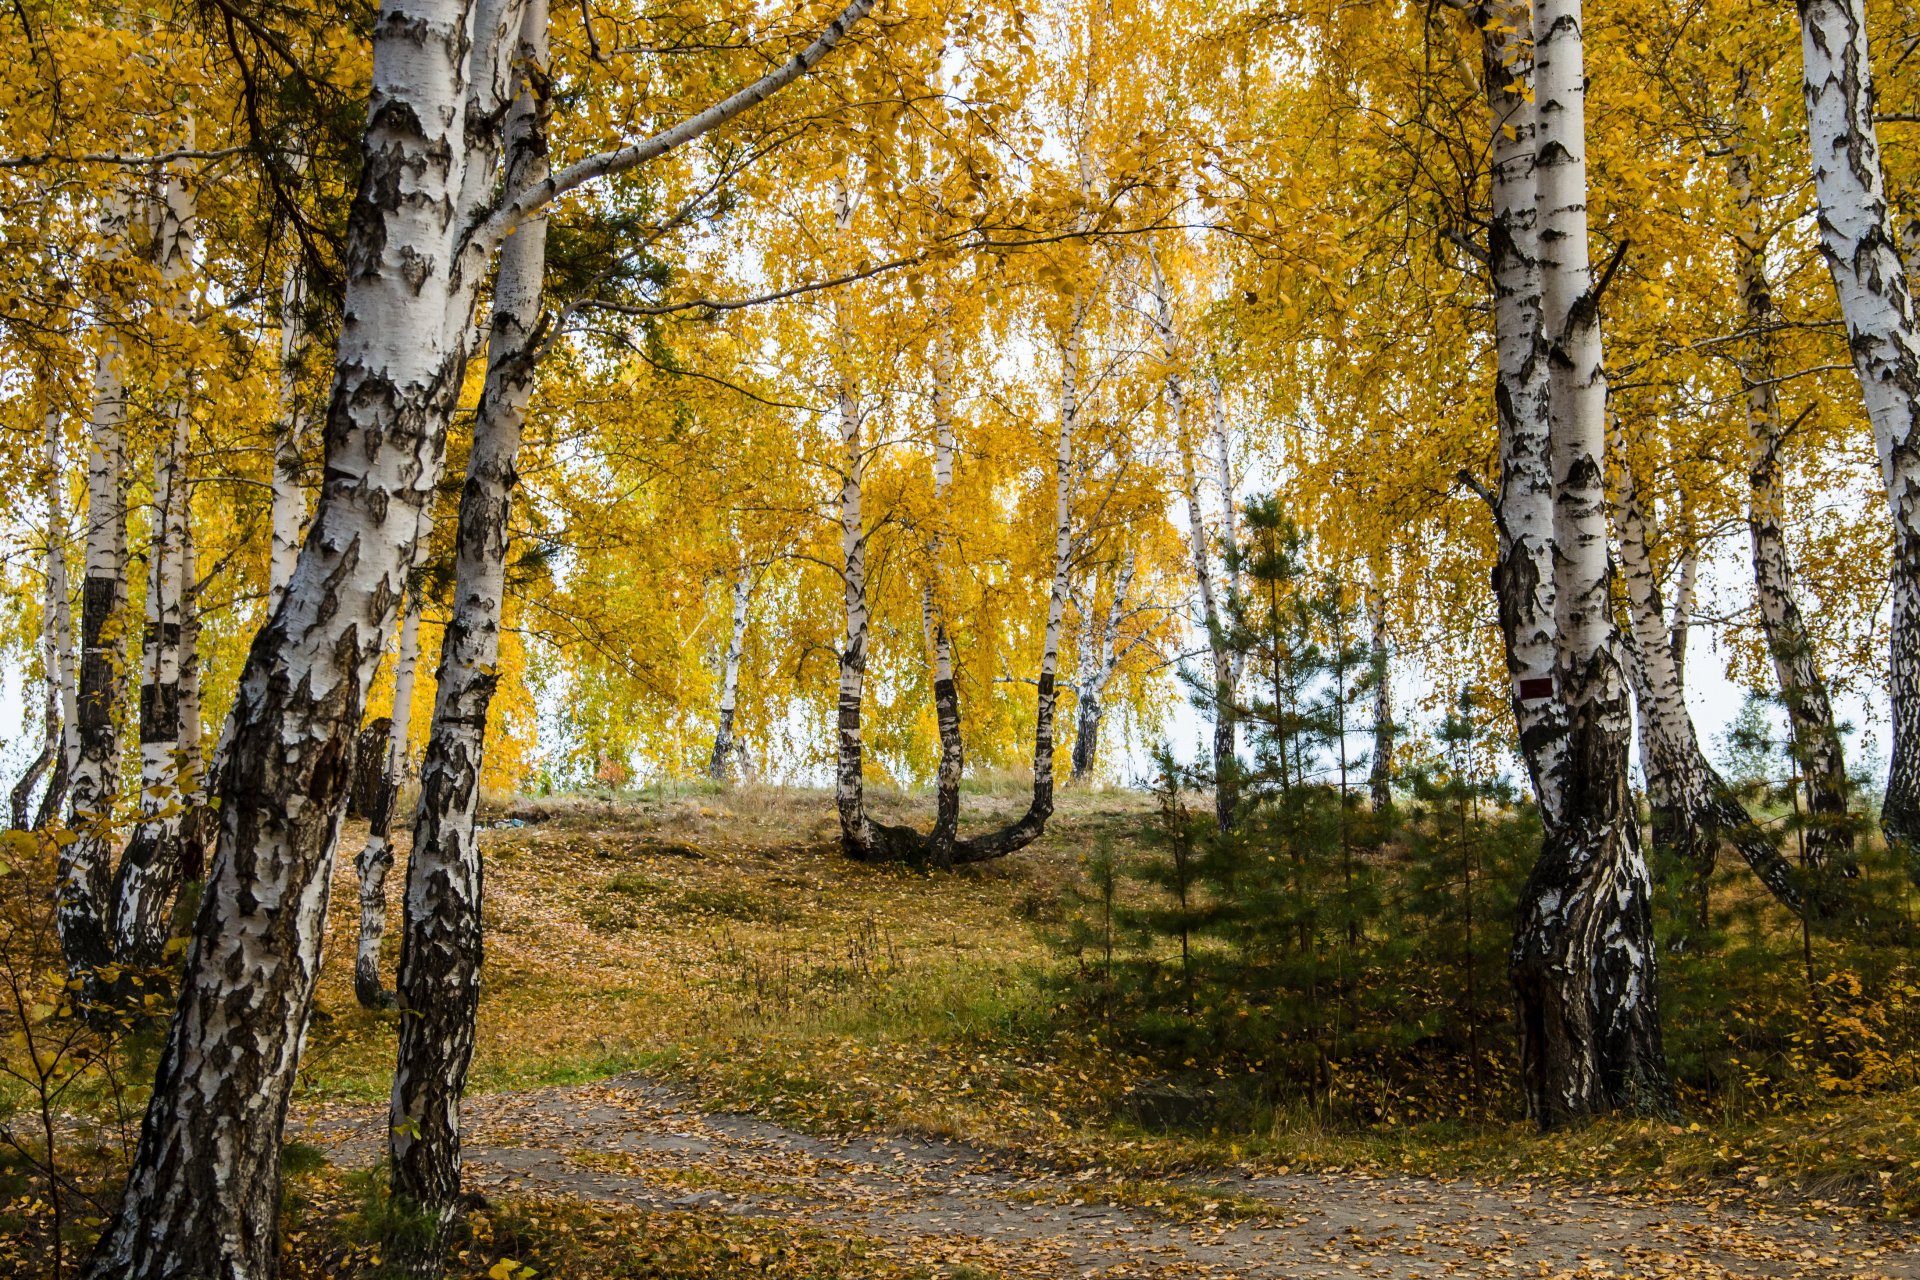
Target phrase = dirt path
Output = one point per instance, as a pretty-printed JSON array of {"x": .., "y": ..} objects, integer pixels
[{"x": 632, "y": 1142}]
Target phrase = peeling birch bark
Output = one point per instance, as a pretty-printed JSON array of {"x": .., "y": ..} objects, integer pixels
[
  {"x": 1523, "y": 576},
  {"x": 289, "y": 509},
  {"x": 1883, "y": 333},
  {"x": 203, "y": 1194},
  {"x": 375, "y": 858},
  {"x": 1583, "y": 964},
  {"x": 441, "y": 945}
]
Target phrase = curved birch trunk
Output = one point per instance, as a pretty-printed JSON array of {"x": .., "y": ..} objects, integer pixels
[
  {"x": 1817, "y": 748},
  {"x": 203, "y": 1195},
  {"x": 720, "y": 767},
  {"x": 1703, "y": 809},
  {"x": 83, "y": 864},
  {"x": 375, "y": 858},
  {"x": 289, "y": 440},
  {"x": 1523, "y": 573},
  {"x": 441, "y": 946},
  {"x": 1583, "y": 965},
  {"x": 149, "y": 870},
  {"x": 1863, "y": 257},
  {"x": 1027, "y": 828}
]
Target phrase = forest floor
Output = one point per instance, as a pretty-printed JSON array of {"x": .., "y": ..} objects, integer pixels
[{"x": 711, "y": 1047}]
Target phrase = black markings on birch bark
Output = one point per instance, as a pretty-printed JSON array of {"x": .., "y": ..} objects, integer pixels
[
  {"x": 1380, "y": 767},
  {"x": 149, "y": 870},
  {"x": 1815, "y": 736},
  {"x": 720, "y": 765},
  {"x": 1883, "y": 333},
  {"x": 1700, "y": 810},
  {"x": 1583, "y": 964},
  {"x": 1523, "y": 579},
  {"x": 441, "y": 944},
  {"x": 375, "y": 858},
  {"x": 83, "y": 864},
  {"x": 203, "y": 1194}
]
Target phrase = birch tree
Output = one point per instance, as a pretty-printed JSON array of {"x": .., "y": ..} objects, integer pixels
[
  {"x": 1704, "y": 809},
  {"x": 1817, "y": 748},
  {"x": 441, "y": 947},
  {"x": 1883, "y": 334},
  {"x": 375, "y": 858},
  {"x": 149, "y": 870},
  {"x": 1583, "y": 963},
  {"x": 720, "y": 765},
  {"x": 83, "y": 867}
]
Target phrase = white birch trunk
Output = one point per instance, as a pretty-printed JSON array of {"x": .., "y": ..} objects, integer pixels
[
  {"x": 1817, "y": 748},
  {"x": 720, "y": 767},
  {"x": 441, "y": 947},
  {"x": 62, "y": 698},
  {"x": 1380, "y": 769},
  {"x": 83, "y": 865},
  {"x": 1099, "y": 659},
  {"x": 375, "y": 858},
  {"x": 1583, "y": 960},
  {"x": 1703, "y": 809},
  {"x": 1863, "y": 257},
  {"x": 1524, "y": 586},
  {"x": 946, "y": 693},
  {"x": 149, "y": 871},
  {"x": 856, "y": 829},
  {"x": 289, "y": 441},
  {"x": 203, "y": 1194}
]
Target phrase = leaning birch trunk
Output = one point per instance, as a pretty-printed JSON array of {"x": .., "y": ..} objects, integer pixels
[
  {"x": 1883, "y": 333},
  {"x": 375, "y": 859},
  {"x": 203, "y": 1195},
  {"x": 149, "y": 871},
  {"x": 1583, "y": 964},
  {"x": 1098, "y": 662},
  {"x": 849, "y": 785},
  {"x": 83, "y": 865},
  {"x": 1817, "y": 748},
  {"x": 56, "y": 640},
  {"x": 1225, "y": 662},
  {"x": 1523, "y": 575},
  {"x": 946, "y": 693},
  {"x": 1704, "y": 811},
  {"x": 720, "y": 767},
  {"x": 1380, "y": 769},
  {"x": 441, "y": 945},
  {"x": 289, "y": 440},
  {"x": 1027, "y": 828}
]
